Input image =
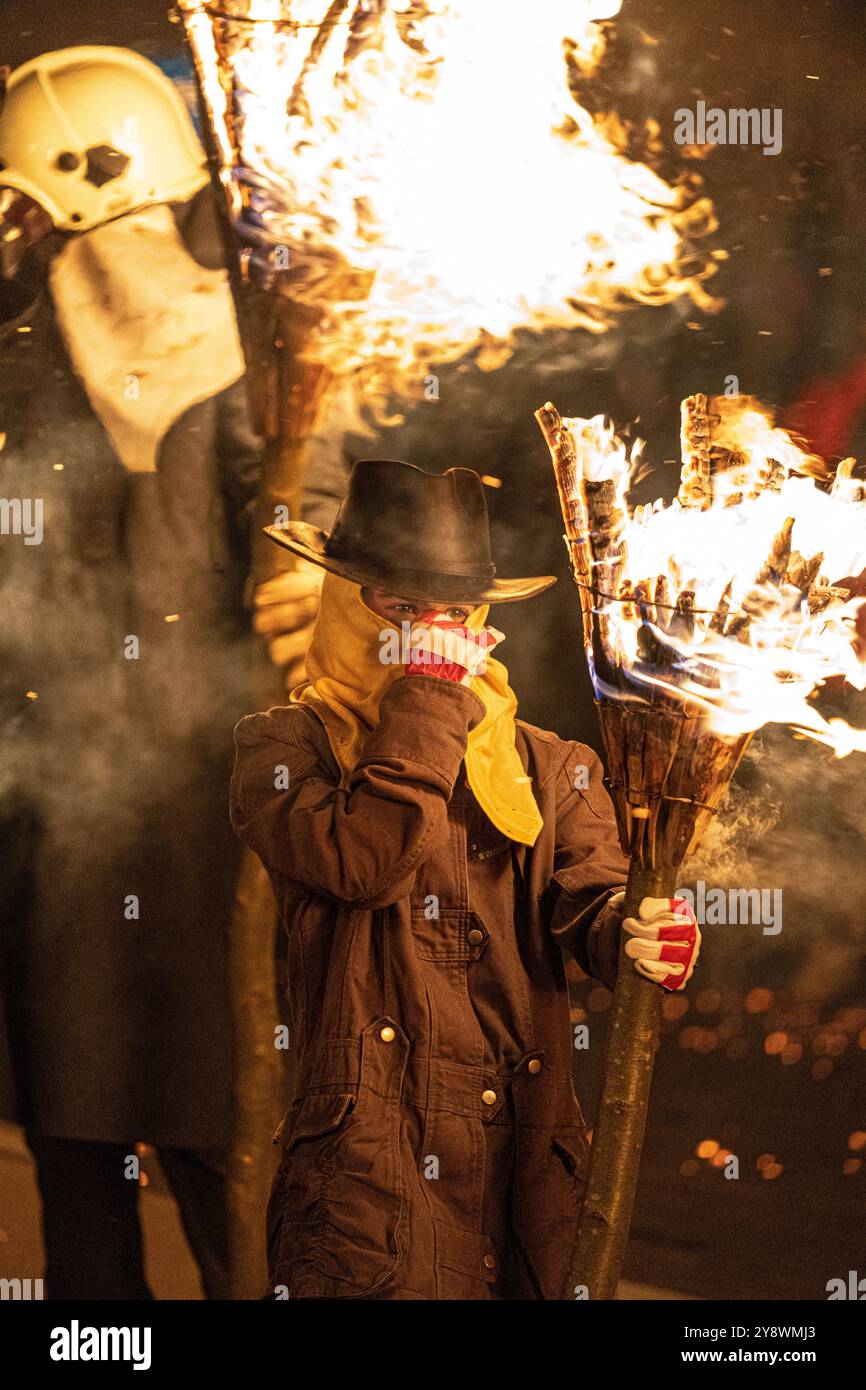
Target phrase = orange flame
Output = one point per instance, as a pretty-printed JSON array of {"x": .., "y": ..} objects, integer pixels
[
  {"x": 431, "y": 178},
  {"x": 761, "y": 554}
]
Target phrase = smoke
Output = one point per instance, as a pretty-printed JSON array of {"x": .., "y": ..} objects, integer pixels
[
  {"x": 793, "y": 821},
  {"x": 728, "y": 850},
  {"x": 108, "y": 746}
]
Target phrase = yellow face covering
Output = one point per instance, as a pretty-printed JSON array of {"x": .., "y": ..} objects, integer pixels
[{"x": 347, "y": 683}]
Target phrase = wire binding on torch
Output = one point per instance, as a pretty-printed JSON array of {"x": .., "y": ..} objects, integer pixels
[
  {"x": 651, "y": 603},
  {"x": 655, "y": 796}
]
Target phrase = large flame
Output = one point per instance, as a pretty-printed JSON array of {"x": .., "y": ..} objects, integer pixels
[
  {"x": 434, "y": 181},
  {"x": 730, "y": 597}
]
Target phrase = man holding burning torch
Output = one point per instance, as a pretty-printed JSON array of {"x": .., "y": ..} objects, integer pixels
[
  {"x": 130, "y": 658},
  {"x": 430, "y": 854}
]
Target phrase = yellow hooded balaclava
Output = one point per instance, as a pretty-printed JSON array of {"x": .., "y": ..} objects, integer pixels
[{"x": 347, "y": 683}]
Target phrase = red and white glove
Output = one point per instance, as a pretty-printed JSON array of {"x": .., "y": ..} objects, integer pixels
[
  {"x": 450, "y": 650},
  {"x": 664, "y": 940}
]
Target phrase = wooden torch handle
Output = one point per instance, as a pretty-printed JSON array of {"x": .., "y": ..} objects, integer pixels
[{"x": 621, "y": 1119}]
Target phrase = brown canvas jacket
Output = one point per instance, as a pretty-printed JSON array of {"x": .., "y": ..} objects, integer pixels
[{"x": 434, "y": 1148}]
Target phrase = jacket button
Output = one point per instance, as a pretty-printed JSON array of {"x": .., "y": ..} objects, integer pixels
[
  {"x": 387, "y": 1034},
  {"x": 475, "y": 937},
  {"x": 534, "y": 1066},
  {"x": 489, "y": 1261},
  {"x": 489, "y": 1097}
]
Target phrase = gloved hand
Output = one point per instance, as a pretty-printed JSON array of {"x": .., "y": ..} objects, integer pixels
[
  {"x": 664, "y": 940},
  {"x": 285, "y": 611},
  {"x": 449, "y": 650}
]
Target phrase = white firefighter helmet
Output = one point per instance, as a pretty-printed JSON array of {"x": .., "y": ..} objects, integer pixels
[{"x": 93, "y": 132}]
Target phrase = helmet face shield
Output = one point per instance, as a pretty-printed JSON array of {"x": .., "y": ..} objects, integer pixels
[{"x": 91, "y": 133}]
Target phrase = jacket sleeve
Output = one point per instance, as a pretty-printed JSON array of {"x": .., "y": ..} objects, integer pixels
[
  {"x": 589, "y": 867},
  {"x": 239, "y": 452},
  {"x": 239, "y": 449},
  {"x": 360, "y": 845}
]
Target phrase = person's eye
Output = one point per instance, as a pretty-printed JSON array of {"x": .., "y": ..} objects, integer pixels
[
  {"x": 458, "y": 614},
  {"x": 404, "y": 608}
]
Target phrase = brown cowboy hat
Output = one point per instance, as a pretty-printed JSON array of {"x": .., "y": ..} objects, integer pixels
[{"x": 416, "y": 534}]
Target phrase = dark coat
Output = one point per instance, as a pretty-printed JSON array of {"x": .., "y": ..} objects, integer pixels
[
  {"x": 114, "y": 778},
  {"x": 434, "y": 1148}
]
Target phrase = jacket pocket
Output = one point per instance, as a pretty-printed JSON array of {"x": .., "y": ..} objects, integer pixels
[
  {"x": 311, "y": 1119},
  {"x": 337, "y": 1200},
  {"x": 572, "y": 1149},
  {"x": 553, "y": 1167},
  {"x": 314, "y": 1116}
]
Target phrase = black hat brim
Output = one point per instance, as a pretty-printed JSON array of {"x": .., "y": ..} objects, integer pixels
[{"x": 309, "y": 543}]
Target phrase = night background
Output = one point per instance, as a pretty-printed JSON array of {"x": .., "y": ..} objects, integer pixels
[{"x": 765, "y": 1054}]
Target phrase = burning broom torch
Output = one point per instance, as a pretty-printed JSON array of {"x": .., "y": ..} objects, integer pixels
[
  {"x": 387, "y": 170},
  {"x": 702, "y": 621}
]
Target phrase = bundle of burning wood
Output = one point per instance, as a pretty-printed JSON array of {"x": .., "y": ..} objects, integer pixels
[
  {"x": 710, "y": 467},
  {"x": 669, "y": 766},
  {"x": 667, "y": 771}
]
